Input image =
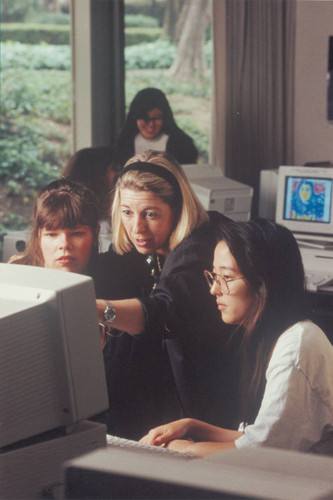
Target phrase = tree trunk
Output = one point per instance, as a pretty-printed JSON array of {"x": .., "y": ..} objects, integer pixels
[
  {"x": 172, "y": 12},
  {"x": 190, "y": 61}
]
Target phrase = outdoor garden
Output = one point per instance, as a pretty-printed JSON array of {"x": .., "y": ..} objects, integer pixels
[{"x": 35, "y": 114}]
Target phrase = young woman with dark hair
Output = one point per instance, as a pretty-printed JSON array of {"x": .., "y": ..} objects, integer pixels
[
  {"x": 287, "y": 361},
  {"x": 150, "y": 124}
]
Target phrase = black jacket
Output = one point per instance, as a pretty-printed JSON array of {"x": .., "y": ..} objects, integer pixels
[{"x": 182, "y": 310}]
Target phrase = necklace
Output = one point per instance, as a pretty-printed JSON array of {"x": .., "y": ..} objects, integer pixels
[
  {"x": 154, "y": 260},
  {"x": 159, "y": 263}
]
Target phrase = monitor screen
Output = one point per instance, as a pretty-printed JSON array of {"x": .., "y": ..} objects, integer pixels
[
  {"x": 308, "y": 199},
  {"x": 304, "y": 199},
  {"x": 51, "y": 363}
]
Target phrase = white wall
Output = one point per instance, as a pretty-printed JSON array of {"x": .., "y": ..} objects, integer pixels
[{"x": 313, "y": 134}]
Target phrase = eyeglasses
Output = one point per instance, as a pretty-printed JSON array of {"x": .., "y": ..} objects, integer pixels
[
  {"x": 222, "y": 282},
  {"x": 154, "y": 119}
]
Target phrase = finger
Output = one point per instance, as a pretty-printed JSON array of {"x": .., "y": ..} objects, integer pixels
[{"x": 149, "y": 438}]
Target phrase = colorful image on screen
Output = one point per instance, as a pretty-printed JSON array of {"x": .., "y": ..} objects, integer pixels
[{"x": 308, "y": 199}]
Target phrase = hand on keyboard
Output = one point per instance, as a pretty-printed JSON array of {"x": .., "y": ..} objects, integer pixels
[{"x": 143, "y": 447}]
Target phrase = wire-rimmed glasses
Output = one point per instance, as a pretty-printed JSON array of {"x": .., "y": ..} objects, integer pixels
[{"x": 222, "y": 282}]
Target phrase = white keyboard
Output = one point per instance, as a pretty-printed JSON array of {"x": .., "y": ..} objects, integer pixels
[
  {"x": 315, "y": 279},
  {"x": 128, "y": 444}
]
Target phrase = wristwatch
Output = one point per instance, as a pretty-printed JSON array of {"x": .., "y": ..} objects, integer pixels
[{"x": 109, "y": 314}]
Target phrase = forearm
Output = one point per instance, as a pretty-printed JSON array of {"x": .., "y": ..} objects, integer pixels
[
  {"x": 201, "y": 431},
  {"x": 202, "y": 449},
  {"x": 129, "y": 315}
]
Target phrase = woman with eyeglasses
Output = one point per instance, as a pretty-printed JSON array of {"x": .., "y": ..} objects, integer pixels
[
  {"x": 287, "y": 361},
  {"x": 150, "y": 124},
  {"x": 172, "y": 359}
]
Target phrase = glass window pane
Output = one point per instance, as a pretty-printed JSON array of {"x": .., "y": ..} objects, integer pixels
[
  {"x": 35, "y": 103},
  {"x": 152, "y": 46}
]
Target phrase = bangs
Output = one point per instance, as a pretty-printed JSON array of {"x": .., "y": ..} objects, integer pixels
[{"x": 64, "y": 212}]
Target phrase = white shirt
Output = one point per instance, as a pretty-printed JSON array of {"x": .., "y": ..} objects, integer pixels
[
  {"x": 158, "y": 143},
  {"x": 298, "y": 398}
]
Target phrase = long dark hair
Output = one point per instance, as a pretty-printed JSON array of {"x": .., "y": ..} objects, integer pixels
[
  {"x": 61, "y": 204},
  {"x": 144, "y": 101},
  {"x": 268, "y": 257}
]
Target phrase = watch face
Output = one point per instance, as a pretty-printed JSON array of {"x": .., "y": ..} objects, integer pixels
[{"x": 109, "y": 313}]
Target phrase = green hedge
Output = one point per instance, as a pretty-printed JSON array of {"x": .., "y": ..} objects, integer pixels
[
  {"x": 155, "y": 55},
  {"x": 53, "y": 34},
  {"x": 140, "y": 21},
  {"x": 43, "y": 56},
  {"x": 146, "y": 8},
  {"x": 134, "y": 36}
]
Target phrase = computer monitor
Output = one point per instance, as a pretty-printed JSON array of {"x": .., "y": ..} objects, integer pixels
[
  {"x": 304, "y": 201},
  {"x": 51, "y": 364},
  {"x": 249, "y": 473}
]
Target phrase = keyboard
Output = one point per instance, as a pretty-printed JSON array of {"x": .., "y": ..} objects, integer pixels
[
  {"x": 315, "y": 279},
  {"x": 128, "y": 444}
]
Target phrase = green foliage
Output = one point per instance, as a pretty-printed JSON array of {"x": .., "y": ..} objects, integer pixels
[
  {"x": 23, "y": 150},
  {"x": 49, "y": 18},
  {"x": 59, "y": 34},
  {"x": 46, "y": 94},
  {"x": 19, "y": 55},
  {"x": 30, "y": 150},
  {"x": 16, "y": 10},
  {"x": 11, "y": 221},
  {"x": 209, "y": 52},
  {"x": 148, "y": 8},
  {"x": 159, "y": 54},
  {"x": 198, "y": 135},
  {"x": 36, "y": 109},
  {"x": 54, "y": 34},
  {"x": 140, "y": 21},
  {"x": 137, "y": 80},
  {"x": 135, "y": 36}
]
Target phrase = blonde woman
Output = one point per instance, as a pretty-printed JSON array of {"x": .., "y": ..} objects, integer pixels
[{"x": 160, "y": 226}]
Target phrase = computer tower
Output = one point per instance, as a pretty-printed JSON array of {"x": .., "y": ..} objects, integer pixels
[{"x": 33, "y": 469}]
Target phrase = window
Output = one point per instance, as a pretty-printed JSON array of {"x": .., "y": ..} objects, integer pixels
[
  {"x": 150, "y": 53},
  {"x": 36, "y": 135}
]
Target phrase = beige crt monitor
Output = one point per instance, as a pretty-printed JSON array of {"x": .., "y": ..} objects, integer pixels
[{"x": 51, "y": 363}]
